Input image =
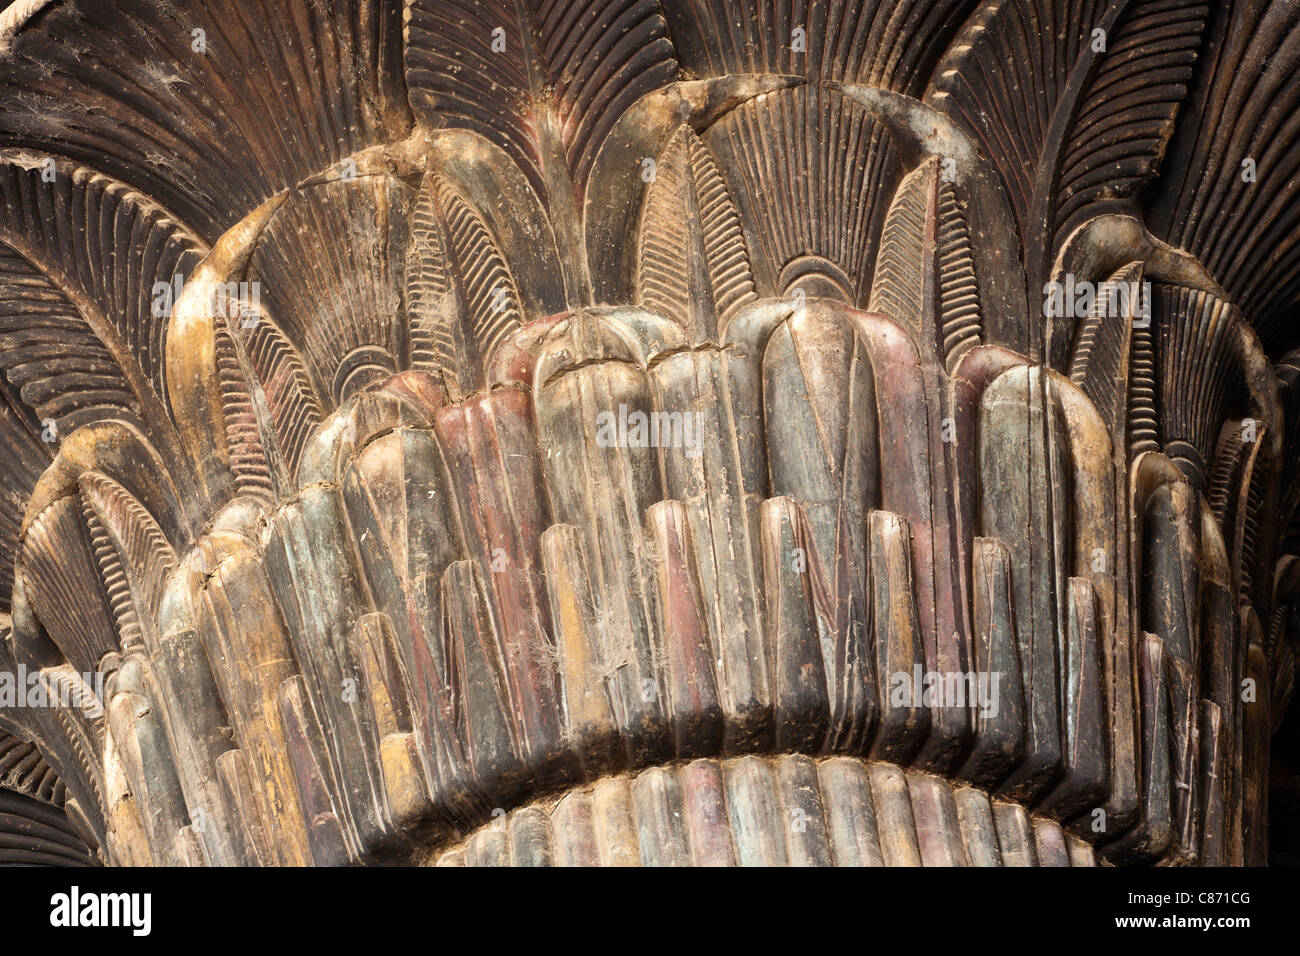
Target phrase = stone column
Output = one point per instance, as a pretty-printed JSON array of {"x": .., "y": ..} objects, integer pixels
[{"x": 633, "y": 432}]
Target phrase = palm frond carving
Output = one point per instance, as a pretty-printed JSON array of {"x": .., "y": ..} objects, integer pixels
[{"x": 610, "y": 413}]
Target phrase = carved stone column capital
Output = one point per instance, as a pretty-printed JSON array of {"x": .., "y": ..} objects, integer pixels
[{"x": 647, "y": 431}]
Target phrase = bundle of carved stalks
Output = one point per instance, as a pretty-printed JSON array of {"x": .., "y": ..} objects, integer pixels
[{"x": 391, "y": 542}]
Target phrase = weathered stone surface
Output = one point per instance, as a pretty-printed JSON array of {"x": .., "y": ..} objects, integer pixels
[{"x": 647, "y": 432}]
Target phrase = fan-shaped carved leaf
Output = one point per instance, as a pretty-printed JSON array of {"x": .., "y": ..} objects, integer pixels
[
  {"x": 888, "y": 43},
  {"x": 1043, "y": 84},
  {"x": 1229, "y": 195},
  {"x": 146, "y": 558},
  {"x": 212, "y": 123},
  {"x": 328, "y": 264},
  {"x": 543, "y": 79},
  {"x": 1123, "y": 125},
  {"x": 102, "y": 247}
]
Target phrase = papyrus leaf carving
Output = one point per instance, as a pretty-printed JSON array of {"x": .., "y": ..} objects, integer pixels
[
  {"x": 25, "y": 457},
  {"x": 1201, "y": 369},
  {"x": 248, "y": 460},
  {"x": 42, "y": 339},
  {"x": 147, "y": 557},
  {"x": 959, "y": 304},
  {"x": 692, "y": 266},
  {"x": 81, "y": 324},
  {"x": 70, "y": 231},
  {"x": 520, "y": 74},
  {"x": 925, "y": 273},
  {"x": 284, "y": 385},
  {"x": 1100, "y": 365},
  {"x": 54, "y": 559},
  {"x": 811, "y": 173},
  {"x": 461, "y": 300},
  {"x": 889, "y": 43},
  {"x": 328, "y": 266},
  {"x": 1118, "y": 136},
  {"x": 22, "y": 768},
  {"x": 1143, "y": 433},
  {"x": 479, "y": 545}
]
